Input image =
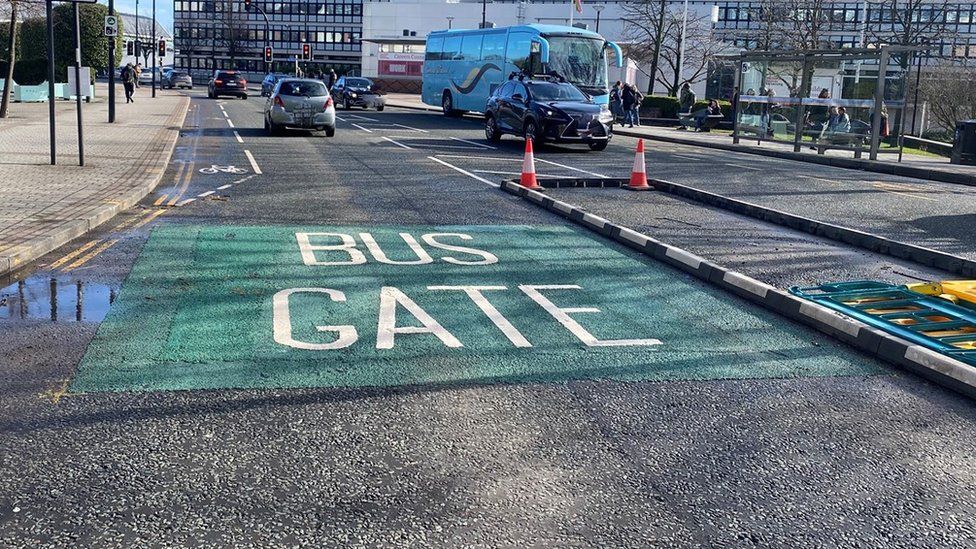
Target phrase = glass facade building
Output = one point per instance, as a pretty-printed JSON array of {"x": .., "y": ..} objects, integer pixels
[{"x": 214, "y": 34}]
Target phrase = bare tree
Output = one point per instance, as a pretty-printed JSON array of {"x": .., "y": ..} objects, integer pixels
[
  {"x": 910, "y": 23},
  {"x": 791, "y": 25},
  {"x": 16, "y": 9},
  {"x": 948, "y": 89},
  {"x": 231, "y": 31},
  {"x": 644, "y": 26},
  {"x": 700, "y": 47}
]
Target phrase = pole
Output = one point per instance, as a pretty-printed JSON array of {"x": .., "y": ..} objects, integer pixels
[
  {"x": 681, "y": 51},
  {"x": 81, "y": 135},
  {"x": 155, "y": 47},
  {"x": 572, "y": 12},
  {"x": 484, "y": 12},
  {"x": 878, "y": 101},
  {"x": 111, "y": 68},
  {"x": 598, "y": 21},
  {"x": 918, "y": 82},
  {"x": 50, "y": 80}
]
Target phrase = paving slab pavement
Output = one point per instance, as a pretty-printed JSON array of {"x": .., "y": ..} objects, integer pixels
[{"x": 42, "y": 206}]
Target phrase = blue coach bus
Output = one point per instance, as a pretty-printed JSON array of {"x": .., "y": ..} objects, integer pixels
[{"x": 463, "y": 67}]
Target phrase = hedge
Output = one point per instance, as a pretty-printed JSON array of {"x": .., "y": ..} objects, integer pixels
[
  {"x": 27, "y": 72},
  {"x": 669, "y": 106},
  {"x": 94, "y": 46}
]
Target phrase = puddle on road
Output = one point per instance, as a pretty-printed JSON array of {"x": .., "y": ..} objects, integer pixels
[{"x": 58, "y": 299}]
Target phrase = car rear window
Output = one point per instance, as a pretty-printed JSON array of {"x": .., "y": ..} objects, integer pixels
[
  {"x": 178, "y": 73},
  {"x": 228, "y": 74},
  {"x": 303, "y": 88}
]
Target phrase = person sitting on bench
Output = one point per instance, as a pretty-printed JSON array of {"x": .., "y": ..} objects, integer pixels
[{"x": 705, "y": 114}]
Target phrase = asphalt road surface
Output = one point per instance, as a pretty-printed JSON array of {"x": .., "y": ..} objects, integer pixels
[{"x": 361, "y": 341}]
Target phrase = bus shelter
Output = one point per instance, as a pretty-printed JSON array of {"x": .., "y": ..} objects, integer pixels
[{"x": 848, "y": 99}]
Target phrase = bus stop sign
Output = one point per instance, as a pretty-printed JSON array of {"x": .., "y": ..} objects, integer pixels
[{"x": 111, "y": 26}]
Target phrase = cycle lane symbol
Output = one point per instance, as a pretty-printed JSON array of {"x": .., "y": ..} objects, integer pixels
[{"x": 214, "y": 169}]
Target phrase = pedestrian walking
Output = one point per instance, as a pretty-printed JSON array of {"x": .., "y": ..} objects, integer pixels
[
  {"x": 138, "y": 71},
  {"x": 616, "y": 101},
  {"x": 635, "y": 109},
  {"x": 332, "y": 78},
  {"x": 128, "y": 81}
]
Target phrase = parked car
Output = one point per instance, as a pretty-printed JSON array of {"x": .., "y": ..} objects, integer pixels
[
  {"x": 547, "y": 109},
  {"x": 268, "y": 84},
  {"x": 177, "y": 79},
  {"x": 225, "y": 82},
  {"x": 300, "y": 103},
  {"x": 355, "y": 91},
  {"x": 145, "y": 77}
]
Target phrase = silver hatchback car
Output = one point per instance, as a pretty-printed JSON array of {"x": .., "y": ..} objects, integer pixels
[{"x": 299, "y": 103}]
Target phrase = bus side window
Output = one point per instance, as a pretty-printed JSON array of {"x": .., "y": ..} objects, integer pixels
[
  {"x": 519, "y": 49},
  {"x": 452, "y": 48},
  {"x": 493, "y": 48},
  {"x": 434, "y": 47},
  {"x": 471, "y": 47}
]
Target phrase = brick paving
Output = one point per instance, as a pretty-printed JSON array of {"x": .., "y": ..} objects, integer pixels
[{"x": 43, "y": 206}]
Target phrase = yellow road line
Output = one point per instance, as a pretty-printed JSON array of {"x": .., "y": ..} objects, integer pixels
[
  {"x": 73, "y": 254},
  {"x": 160, "y": 200},
  {"x": 88, "y": 257},
  {"x": 885, "y": 188},
  {"x": 130, "y": 221},
  {"x": 154, "y": 215},
  {"x": 187, "y": 175}
]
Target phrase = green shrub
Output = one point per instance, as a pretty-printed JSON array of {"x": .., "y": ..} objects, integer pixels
[
  {"x": 30, "y": 72},
  {"x": 668, "y": 105}
]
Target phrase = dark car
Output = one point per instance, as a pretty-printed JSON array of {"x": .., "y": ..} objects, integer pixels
[
  {"x": 355, "y": 91},
  {"x": 227, "y": 83},
  {"x": 268, "y": 84},
  {"x": 547, "y": 110}
]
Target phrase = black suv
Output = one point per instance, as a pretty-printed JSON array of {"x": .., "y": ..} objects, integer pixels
[
  {"x": 356, "y": 91},
  {"x": 227, "y": 83},
  {"x": 547, "y": 110}
]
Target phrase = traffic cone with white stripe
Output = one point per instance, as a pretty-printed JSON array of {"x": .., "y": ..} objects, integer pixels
[
  {"x": 528, "y": 179},
  {"x": 638, "y": 176}
]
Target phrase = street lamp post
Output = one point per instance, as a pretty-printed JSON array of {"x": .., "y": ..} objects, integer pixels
[
  {"x": 450, "y": 21},
  {"x": 598, "y": 8},
  {"x": 918, "y": 81},
  {"x": 484, "y": 12},
  {"x": 681, "y": 50},
  {"x": 155, "y": 48},
  {"x": 267, "y": 31}
]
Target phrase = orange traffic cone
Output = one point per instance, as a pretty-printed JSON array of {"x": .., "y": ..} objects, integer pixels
[
  {"x": 638, "y": 176},
  {"x": 528, "y": 168}
]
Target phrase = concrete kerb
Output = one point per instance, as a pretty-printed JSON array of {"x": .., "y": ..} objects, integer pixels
[
  {"x": 941, "y": 369},
  {"x": 848, "y": 163},
  {"x": 67, "y": 232}
]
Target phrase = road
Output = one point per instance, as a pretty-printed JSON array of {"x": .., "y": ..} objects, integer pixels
[{"x": 362, "y": 341}]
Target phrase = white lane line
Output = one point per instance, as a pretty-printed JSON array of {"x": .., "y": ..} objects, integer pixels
[
  {"x": 511, "y": 159},
  {"x": 243, "y": 179},
  {"x": 230, "y": 122},
  {"x": 462, "y": 170},
  {"x": 227, "y": 186},
  {"x": 208, "y": 193},
  {"x": 362, "y": 128},
  {"x": 411, "y": 128},
  {"x": 397, "y": 143},
  {"x": 475, "y": 143},
  {"x": 185, "y": 202},
  {"x": 238, "y": 137},
  {"x": 741, "y": 167},
  {"x": 254, "y": 164},
  {"x": 340, "y": 119},
  {"x": 357, "y": 117},
  {"x": 594, "y": 174}
]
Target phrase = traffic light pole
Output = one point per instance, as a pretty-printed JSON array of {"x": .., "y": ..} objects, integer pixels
[
  {"x": 111, "y": 68},
  {"x": 155, "y": 46},
  {"x": 267, "y": 29},
  {"x": 50, "y": 79}
]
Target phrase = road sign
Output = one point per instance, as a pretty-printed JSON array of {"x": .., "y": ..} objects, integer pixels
[
  {"x": 223, "y": 307},
  {"x": 111, "y": 26}
]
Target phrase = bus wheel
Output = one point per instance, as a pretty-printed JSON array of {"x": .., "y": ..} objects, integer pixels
[{"x": 447, "y": 105}]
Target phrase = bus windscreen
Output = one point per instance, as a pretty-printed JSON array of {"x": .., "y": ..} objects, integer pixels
[{"x": 579, "y": 60}]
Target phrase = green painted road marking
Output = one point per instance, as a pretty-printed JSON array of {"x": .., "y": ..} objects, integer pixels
[{"x": 239, "y": 307}]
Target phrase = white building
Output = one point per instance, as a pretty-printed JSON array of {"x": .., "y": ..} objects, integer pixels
[{"x": 142, "y": 28}]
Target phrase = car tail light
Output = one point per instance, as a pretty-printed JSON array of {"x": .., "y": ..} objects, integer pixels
[
  {"x": 279, "y": 102},
  {"x": 328, "y": 103},
  {"x": 218, "y": 82}
]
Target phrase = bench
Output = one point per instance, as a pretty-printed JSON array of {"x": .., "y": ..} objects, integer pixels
[
  {"x": 687, "y": 119},
  {"x": 857, "y": 140}
]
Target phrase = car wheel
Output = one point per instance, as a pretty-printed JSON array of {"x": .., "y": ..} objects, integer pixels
[
  {"x": 491, "y": 130},
  {"x": 244, "y": 97},
  {"x": 330, "y": 131},
  {"x": 381, "y": 107},
  {"x": 531, "y": 131},
  {"x": 599, "y": 145}
]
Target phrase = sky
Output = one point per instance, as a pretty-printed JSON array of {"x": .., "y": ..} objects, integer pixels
[{"x": 164, "y": 10}]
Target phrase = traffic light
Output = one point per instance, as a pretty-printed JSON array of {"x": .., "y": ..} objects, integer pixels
[
  {"x": 162, "y": 47},
  {"x": 306, "y": 51},
  {"x": 268, "y": 54},
  {"x": 138, "y": 47},
  {"x": 247, "y": 5},
  {"x": 130, "y": 48}
]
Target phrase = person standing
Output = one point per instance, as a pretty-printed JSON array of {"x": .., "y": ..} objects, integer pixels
[
  {"x": 686, "y": 99},
  {"x": 616, "y": 101},
  {"x": 635, "y": 109},
  {"x": 128, "y": 81},
  {"x": 332, "y": 78},
  {"x": 138, "y": 70},
  {"x": 629, "y": 99}
]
